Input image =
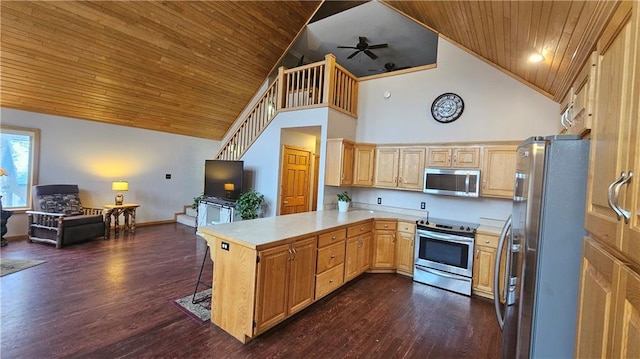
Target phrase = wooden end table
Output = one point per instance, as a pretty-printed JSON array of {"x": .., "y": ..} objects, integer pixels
[{"x": 128, "y": 210}]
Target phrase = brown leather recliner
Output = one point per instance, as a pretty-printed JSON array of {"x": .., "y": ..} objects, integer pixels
[{"x": 59, "y": 218}]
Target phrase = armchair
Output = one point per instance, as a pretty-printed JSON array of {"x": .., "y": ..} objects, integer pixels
[{"x": 59, "y": 218}]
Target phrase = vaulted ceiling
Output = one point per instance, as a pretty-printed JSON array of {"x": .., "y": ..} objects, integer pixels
[{"x": 190, "y": 67}]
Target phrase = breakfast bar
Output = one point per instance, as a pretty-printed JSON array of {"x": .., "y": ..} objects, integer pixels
[{"x": 267, "y": 269}]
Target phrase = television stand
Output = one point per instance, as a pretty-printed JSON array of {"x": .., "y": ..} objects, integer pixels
[{"x": 213, "y": 211}]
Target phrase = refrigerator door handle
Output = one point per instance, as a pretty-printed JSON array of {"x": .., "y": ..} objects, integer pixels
[
  {"x": 616, "y": 194},
  {"x": 496, "y": 273},
  {"x": 610, "y": 195}
]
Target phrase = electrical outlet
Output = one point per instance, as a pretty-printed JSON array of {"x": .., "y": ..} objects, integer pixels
[
  {"x": 224, "y": 245},
  {"x": 423, "y": 205},
  {"x": 167, "y": 176},
  {"x": 379, "y": 200}
]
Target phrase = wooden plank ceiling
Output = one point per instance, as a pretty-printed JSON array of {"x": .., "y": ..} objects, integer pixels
[{"x": 190, "y": 67}]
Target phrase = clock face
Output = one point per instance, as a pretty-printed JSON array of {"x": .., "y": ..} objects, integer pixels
[{"x": 447, "y": 107}]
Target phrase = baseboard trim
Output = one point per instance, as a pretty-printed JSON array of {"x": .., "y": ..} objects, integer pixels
[{"x": 16, "y": 238}]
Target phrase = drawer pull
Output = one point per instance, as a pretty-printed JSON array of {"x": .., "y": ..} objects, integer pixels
[
  {"x": 487, "y": 241},
  {"x": 333, "y": 238},
  {"x": 385, "y": 226},
  {"x": 333, "y": 256},
  {"x": 330, "y": 280}
]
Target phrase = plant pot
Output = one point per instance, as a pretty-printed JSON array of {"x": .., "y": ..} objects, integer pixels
[{"x": 343, "y": 206}]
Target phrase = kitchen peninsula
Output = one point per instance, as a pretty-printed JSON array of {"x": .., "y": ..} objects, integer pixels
[{"x": 267, "y": 269}]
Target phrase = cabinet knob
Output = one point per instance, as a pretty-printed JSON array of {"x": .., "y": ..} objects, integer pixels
[
  {"x": 487, "y": 241},
  {"x": 330, "y": 280},
  {"x": 333, "y": 256},
  {"x": 333, "y": 238},
  {"x": 385, "y": 226}
]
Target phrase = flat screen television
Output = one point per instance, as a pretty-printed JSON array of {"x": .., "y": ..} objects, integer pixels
[{"x": 223, "y": 179}]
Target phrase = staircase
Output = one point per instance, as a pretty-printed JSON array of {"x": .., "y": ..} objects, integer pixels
[
  {"x": 323, "y": 83},
  {"x": 188, "y": 218}
]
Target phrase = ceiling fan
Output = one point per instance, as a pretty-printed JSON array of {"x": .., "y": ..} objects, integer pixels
[
  {"x": 390, "y": 66},
  {"x": 363, "y": 46}
]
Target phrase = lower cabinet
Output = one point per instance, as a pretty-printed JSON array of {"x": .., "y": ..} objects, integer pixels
[
  {"x": 384, "y": 245},
  {"x": 486, "y": 247},
  {"x": 285, "y": 282},
  {"x": 405, "y": 247},
  {"x": 358, "y": 250},
  {"x": 609, "y": 306}
]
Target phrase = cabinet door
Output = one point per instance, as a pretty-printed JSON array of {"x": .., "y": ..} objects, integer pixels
[
  {"x": 386, "y": 169},
  {"x": 411, "y": 168},
  {"x": 347, "y": 163},
  {"x": 363, "y": 165},
  {"x": 364, "y": 252},
  {"x": 302, "y": 274},
  {"x": 498, "y": 171},
  {"x": 439, "y": 157},
  {"x": 339, "y": 162},
  {"x": 599, "y": 279},
  {"x": 466, "y": 157},
  {"x": 608, "y": 152},
  {"x": 405, "y": 251},
  {"x": 271, "y": 296},
  {"x": 627, "y": 332},
  {"x": 483, "y": 270},
  {"x": 351, "y": 258},
  {"x": 384, "y": 249},
  {"x": 584, "y": 88}
]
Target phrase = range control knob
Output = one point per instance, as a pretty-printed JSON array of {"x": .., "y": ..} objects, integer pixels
[
  {"x": 462, "y": 228},
  {"x": 468, "y": 229}
]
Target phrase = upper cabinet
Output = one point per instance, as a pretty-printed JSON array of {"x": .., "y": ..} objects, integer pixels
[
  {"x": 578, "y": 104},
  {"x": 339, "y": 162},
  {"x": 454, "y": 157},
  {"x": 364, "y": 163},
  {"x": 400, "y": 167},
  {"x": 498, "y": 171}
]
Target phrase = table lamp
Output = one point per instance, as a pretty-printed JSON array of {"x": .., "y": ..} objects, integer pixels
[
  {"x": 119, "y": 186},
  {"x": 229, "y": 187}
]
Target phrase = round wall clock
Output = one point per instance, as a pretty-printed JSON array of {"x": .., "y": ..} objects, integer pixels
[{"x": 447, "y": 107}]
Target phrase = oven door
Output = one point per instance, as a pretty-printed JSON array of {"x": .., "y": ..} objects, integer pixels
[{"x": 446, "y": 252}]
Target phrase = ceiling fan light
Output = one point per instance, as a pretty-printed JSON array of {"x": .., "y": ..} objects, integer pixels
[{"x": 536, "y": 57}]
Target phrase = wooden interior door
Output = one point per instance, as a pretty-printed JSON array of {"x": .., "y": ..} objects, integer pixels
[{"x": 294, "y": 196}]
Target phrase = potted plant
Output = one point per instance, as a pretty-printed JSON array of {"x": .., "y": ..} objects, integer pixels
[
  {"x": 343, "y": 201},
  {"x": 249, "y": 203},
  {"x": 196, "y": 201}
]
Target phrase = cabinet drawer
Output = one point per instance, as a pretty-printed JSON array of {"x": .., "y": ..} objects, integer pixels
[
  {"x": 407, "y": 227},
  {"x": 329, "y": 280},
  {"x": 390, "y": 225},
  {"x": 330, "y": 256},
  {"x": 486, "y": 240},
  {"x": 331, "y": 237},
  {"x": 359, "y": 229}
]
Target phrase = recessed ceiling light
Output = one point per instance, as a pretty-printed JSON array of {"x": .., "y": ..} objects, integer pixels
[{"x": 536, "y": 57}]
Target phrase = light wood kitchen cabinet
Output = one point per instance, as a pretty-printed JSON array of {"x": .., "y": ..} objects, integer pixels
[
  {"x": 486, "y": 247},
  {"x": 364, "y": 162},
  {"x": 581, "y": 113},
  {"x": 339, "y": 162},
  {"x": 609, "y": 306},
  {"x": 454, "y": 157},
  {"x": 498, "y": 171},
  {"x": 400, "y": 167},
  {"x": 330, "y": 263},
  {"x": 285, "y": 282},
  {"x": 405, "y": 247},
  {"x": 358, "y": 253},
  {"x": 384, "y": 244}
]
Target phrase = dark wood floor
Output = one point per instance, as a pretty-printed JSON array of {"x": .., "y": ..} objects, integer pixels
[{"x": 112, "y": 299}]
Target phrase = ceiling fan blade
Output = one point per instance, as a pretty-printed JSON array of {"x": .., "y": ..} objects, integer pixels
[
  {"x": 347, "y": 47},
  {"x": 370, "y": 54},
  {"x": 379, "y": 46},
  {"x": 352, "y": 55}
]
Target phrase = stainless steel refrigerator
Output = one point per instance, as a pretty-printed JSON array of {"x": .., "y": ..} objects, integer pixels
[{"x": 543, "y": 244}]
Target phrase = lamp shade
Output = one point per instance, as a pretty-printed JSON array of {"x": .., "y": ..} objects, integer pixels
[
  {"x": 3, "y": 172},
  {"x": 229, "y": 187},
  {"x": 120, "y": 186}
]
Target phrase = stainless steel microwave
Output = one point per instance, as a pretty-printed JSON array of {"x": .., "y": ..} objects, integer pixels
[{"x": 452, "y": 182}]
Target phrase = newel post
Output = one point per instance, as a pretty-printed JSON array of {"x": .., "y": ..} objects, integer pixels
[
  {"x": 329, "y": 79},
  {"x": 280, "y": 89}
]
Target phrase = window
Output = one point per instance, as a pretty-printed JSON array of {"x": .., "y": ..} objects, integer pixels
[{"x": 19, "y": 159}]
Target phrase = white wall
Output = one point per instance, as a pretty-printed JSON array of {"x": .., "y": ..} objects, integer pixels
[
  {"x": 93, "y": 154},
  {"x": 497, "y": 107}
]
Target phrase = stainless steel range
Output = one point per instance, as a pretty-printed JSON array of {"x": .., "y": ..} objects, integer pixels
[{"x": 444, "y": 254}]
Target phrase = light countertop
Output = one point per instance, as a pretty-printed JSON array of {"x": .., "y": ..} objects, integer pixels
[{"x": 262, "y": 231}]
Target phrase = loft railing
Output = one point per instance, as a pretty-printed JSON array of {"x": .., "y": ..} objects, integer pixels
[{"x": 323, "y": 83}]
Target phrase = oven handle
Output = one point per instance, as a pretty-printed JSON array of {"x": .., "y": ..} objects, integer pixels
[
  {"x": 496, "y": 273},
  {"x": 441, "y": 274},
  {"x": 445, "y": 237}
]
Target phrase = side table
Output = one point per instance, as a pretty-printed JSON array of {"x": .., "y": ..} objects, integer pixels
[{"x": 128, "y": 210}]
